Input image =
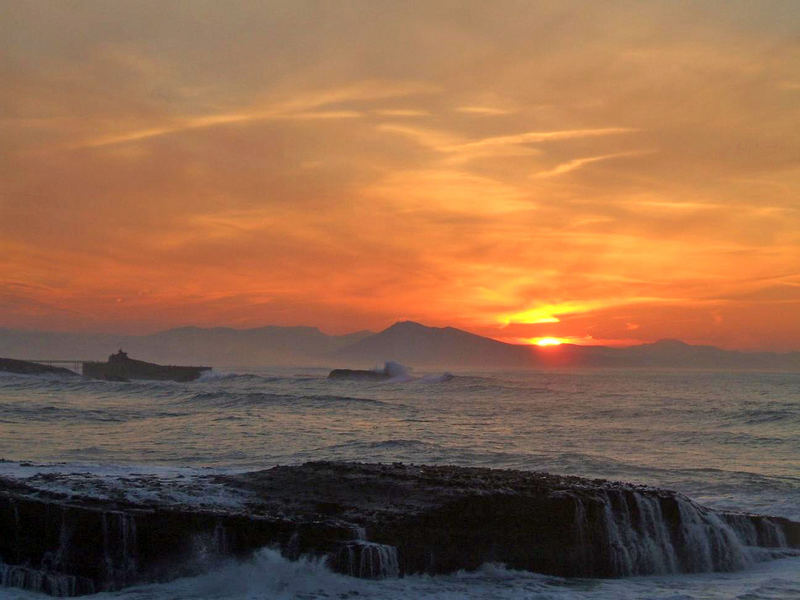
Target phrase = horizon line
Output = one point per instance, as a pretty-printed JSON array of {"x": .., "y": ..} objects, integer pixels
[{"x": 533, "y": 345}]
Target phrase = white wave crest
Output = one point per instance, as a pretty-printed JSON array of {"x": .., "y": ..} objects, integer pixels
[{"x": 269, "y": 576}]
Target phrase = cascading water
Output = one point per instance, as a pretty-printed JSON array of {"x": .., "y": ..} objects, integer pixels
[
  {"x": 221, "y": 542},
  {"x": 54, "y": 584},
  {"x": 754, "y": 530},
  {"x": 633, "y": 536},
  {"x": 119, "y": 548},
  {"x": 360, "y": 558},
  {"x": 656, "y": 535}
]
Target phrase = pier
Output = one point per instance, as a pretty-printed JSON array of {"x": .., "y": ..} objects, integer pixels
[{"x": 71, "y": 364}]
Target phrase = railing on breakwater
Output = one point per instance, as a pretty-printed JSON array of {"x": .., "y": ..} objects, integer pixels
[{"x": 71, "y": 364}]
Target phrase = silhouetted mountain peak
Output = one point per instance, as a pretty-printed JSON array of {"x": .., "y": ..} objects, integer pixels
[
  {"x": 406, "y": 326},
  {"x": 413, "y": 343},
  {"x": 408, "y": 342},
  {"x": 669, "y": 343},
  {"x": 411, "y": 328}
]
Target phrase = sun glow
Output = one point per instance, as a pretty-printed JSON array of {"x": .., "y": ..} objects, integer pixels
[
  {"x": 548, "y": 313},
  {"x": 547, "y": 341}
]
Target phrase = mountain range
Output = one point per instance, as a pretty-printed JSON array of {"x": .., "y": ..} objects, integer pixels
[{"x": 406, "y": 342}]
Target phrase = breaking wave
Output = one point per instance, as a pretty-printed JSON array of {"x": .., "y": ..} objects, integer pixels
[{"x": 269, "y": 576}]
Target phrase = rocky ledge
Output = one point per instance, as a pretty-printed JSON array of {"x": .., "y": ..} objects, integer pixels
[{"x": 71, "y": 534}]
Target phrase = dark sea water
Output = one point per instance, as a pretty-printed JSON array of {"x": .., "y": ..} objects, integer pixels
[{"x": 728, "y": 440}]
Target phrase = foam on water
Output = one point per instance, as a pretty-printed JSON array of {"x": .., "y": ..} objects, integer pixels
[
  {"x": 147, "y": 485},
  {"x": 268, "y": 576}
]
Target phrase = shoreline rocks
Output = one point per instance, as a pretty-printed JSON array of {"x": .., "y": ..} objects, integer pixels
[{"x": 367, "y": 520}]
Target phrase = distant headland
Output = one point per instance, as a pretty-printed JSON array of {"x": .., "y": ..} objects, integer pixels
[{"x": 407, "y": 342}]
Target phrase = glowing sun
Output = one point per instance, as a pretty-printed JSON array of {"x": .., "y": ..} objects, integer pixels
[{"x": 548, "y": 341}]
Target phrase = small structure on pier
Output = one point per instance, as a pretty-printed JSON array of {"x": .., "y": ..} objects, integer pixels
[{"x": 120, "y": 367}]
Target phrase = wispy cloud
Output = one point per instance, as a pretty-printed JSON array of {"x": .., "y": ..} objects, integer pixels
[
  {"x": 667, "y": 205},
  {"x": 401, "y": 112},
  {"x": 451, "y": 191},
  {"x": 483, "y": 110},
  {"x": 461, "y": 150},
  {"x": 534, "y": 137},
  {"x": 577, "y": 163},
  {"x": 214, "y": 121},
  {"x": 428, "y": 138},
  {"x": 305, "y": 106}
]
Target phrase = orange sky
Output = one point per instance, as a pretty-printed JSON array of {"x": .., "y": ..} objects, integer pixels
[{"x": 599, "y": 171}]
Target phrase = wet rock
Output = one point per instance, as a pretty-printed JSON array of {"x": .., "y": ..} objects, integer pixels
[{"x": 64, "y": 535}]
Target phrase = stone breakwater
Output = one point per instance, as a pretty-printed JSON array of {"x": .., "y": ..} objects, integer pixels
[
  {"x": 65, "y": 534},
  {"x": 24, "y": 367}
]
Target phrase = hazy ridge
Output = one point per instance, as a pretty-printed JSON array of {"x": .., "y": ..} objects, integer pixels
[{"x": 407, "y": 342}]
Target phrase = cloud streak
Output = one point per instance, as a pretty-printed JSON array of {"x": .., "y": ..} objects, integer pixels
[
  {"x": 486, "y": 111},
  {"x": 458, "y": 150},
  {"x": 305, "y": 107},
  {"x": 578, "y": 163}
]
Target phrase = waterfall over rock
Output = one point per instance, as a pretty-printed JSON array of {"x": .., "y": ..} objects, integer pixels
[
  {"x": 360, "y": 558},
  {"x": 44, "y": 582},
  {"x": 374, "y": 521},
  {"x": 631, "y": 533}
]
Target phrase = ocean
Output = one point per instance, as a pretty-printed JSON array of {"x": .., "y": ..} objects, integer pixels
[{"x": 728, "y": 440}]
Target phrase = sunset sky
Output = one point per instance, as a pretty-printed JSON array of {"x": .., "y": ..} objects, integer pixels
[{"x": 601, "y": 172}]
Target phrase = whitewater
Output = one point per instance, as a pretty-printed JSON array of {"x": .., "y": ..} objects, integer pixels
[{"x": 727, "y": 440}]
